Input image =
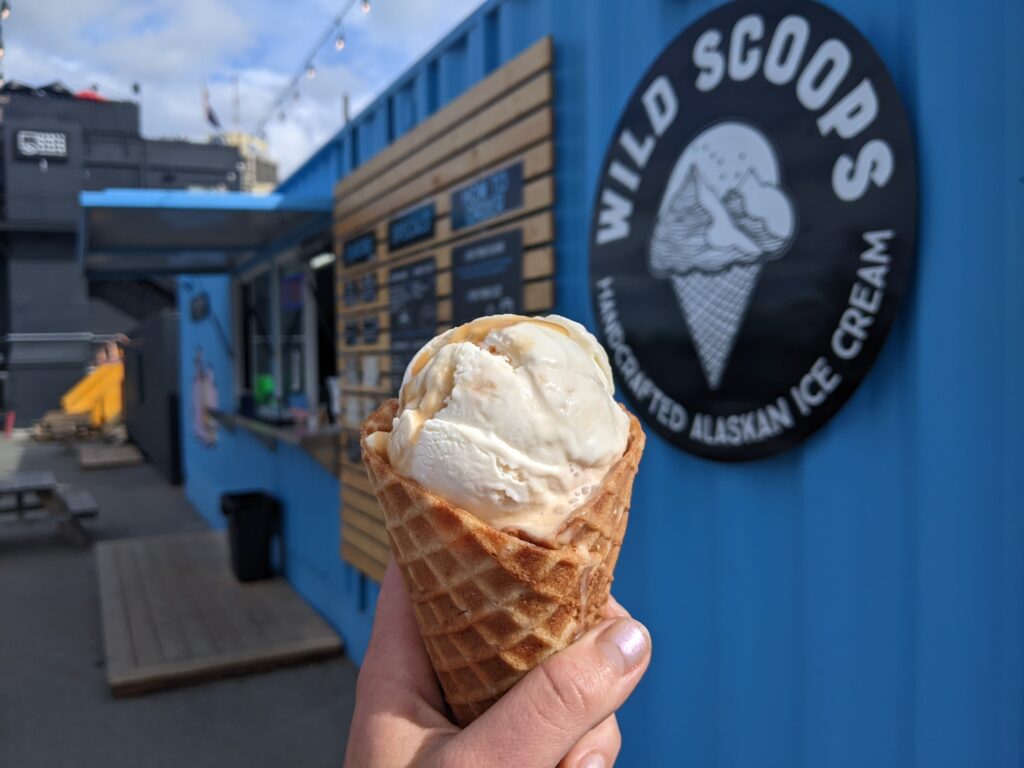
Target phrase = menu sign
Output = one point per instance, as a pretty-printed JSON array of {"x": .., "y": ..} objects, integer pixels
[
  {"x": 488, "y": 198},
  {"x": 487, "y": 277},
  {"x": 411, "y": 227},
  {"x": 368, "y": 287},
  {"x": 352, "y": 449},
  {"x": 371, "y": 329},
  {"x": 351, "y": 293},
  {"x": 360, "y": 249},
  {"x": 351, "y": 333},
  {"x": 412, "y": 298}
]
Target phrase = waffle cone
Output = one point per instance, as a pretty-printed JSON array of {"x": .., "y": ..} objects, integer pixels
[{"x": 491, "y": 605}]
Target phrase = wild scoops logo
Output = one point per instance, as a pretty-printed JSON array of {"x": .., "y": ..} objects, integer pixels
[{"x": 754, "y": 228}]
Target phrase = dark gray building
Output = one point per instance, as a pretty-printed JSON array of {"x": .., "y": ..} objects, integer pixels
[{"x": 54, "y": 145}]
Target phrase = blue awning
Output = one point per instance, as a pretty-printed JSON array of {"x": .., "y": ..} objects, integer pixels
[{"x": 139, "y": 232}]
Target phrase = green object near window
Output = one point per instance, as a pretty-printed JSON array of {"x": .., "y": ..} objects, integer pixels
[{"x": 264, "y": 390}]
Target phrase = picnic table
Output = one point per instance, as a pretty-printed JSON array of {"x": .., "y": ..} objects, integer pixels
[{"x": 39, "y": 490}]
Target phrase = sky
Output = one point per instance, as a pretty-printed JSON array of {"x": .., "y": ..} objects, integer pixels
[{"x": 173, "y": 48}]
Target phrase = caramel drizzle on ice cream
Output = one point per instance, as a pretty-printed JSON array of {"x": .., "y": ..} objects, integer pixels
[
  {"x": 428, "y": 403},
  {"x": 478, "y": 330}
]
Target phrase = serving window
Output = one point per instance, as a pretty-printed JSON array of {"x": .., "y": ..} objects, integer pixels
[
  {"x": 259, "y": 338},
  {"x": 287, "y": 338}
]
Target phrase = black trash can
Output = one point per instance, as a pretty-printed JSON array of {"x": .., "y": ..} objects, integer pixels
[{"x": 253, "y": 519}]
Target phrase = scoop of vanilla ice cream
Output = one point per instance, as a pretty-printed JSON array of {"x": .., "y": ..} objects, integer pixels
[{"x": 510, "y": 418}]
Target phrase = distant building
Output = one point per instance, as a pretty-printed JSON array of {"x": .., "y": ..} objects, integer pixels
[
  {"x": 259, "y": 172},
  {"x": 53, "y": 145}
]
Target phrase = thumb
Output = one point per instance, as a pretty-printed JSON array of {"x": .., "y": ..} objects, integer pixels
[{"x": 540, "y": 719}]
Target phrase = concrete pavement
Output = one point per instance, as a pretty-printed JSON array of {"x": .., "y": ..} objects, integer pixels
[{"x": 55, "y": 708}]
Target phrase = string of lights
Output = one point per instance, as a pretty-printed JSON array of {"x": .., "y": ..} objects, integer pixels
[{"x": 291, "y": 91}]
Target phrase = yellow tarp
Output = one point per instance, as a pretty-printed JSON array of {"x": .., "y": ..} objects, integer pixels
[{"x": 98, "y": 394}]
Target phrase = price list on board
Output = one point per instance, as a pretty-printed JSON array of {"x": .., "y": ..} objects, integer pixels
[{"x": 412, "y": 292}]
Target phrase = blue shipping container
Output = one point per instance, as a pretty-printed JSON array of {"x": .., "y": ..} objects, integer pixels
[{"x": 855, "y": 601}]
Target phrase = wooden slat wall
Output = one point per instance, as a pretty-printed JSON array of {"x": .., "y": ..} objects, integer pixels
[{"x": 504, "y": 120}]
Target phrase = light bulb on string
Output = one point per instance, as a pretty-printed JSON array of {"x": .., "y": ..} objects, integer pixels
[
  {"x": 339, "y": 41},
  {"x": 5, "y": 10},
  {"x": 296, "y": 96},
  {"x": 365, "y": 7},
  {"x": 310, "y": 71}
]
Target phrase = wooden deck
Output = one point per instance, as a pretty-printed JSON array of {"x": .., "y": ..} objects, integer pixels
[
  {"x": 104, "y": 456},
  {"x": 173, "y": 613}
]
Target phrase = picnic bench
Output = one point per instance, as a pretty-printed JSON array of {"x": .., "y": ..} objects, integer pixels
[{"x": 33, "y": 491}]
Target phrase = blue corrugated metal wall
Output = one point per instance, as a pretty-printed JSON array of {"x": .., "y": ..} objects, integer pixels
[{"x": 857, "y": 601}]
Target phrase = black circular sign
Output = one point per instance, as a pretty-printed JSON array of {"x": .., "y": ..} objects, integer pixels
[{"x": 754, "y": 228}]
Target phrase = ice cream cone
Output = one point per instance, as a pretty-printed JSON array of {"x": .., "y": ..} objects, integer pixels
[
  {"x": 714, "y": 305},
  {"x": 490, "y": 604}
]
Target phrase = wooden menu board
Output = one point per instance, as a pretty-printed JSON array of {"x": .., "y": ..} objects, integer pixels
[{"x": 452, "y": 221}]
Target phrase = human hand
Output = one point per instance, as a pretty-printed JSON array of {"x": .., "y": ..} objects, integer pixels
[{"x": 561, "y": 713}]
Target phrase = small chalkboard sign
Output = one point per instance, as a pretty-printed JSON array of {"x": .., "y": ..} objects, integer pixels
[
  {"x": 411, "y": 227},
  {"x": 371, "y": 329},
  {"x": 351, "y": 333},
  {"x": 400, "y": 359},
  {"x": 488, "y": 198},
  {"x": 360, "y": 249},
  {"x": 412, "y": 298},
  {"x": 368, "y": 287},
  {"x": 351, "y": 293},
  {"x": 199, "y": 307},
  {"x": 412, "y": 293},
  {"x": 487, "y": 277},
  {"x": 352, "y": 449}
]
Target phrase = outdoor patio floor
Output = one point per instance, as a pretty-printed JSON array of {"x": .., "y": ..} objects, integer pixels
[{"x": 55, "y": 706}]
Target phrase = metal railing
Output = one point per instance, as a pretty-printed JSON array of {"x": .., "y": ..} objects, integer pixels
[{"x": 62, "y": 338}]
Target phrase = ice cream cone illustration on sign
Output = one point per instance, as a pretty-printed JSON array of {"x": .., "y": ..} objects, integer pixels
[{"x": 724, "y": 213}]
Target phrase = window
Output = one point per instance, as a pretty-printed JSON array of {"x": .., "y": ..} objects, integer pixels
[
  {"x": 258, "y": 328},
  {"x": 293, "y": 354},
  {"x": 326, "y": 343},
  {"x": 242, "y": 331},
  {"x": 287, "y": 327}
]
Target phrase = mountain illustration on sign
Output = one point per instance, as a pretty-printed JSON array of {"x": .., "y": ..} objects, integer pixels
[{"x": 723, "y": 214}]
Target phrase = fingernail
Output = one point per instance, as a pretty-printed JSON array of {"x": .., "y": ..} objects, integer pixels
[
  {"x": 593, "y": 761},
  {"x": 624, "y": 643}
]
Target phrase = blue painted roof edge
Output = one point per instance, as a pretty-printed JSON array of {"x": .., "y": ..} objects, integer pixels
[{"x": 201, "y": 200}]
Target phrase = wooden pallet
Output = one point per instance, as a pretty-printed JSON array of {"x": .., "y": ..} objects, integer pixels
[
  {"x": 103, "y": 456},
  {"x": 57, "y": 425},
  {"x": 174, "y": 614}
]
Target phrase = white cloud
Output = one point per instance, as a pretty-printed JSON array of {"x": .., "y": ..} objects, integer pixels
[{"x": 173, "y": 47}]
